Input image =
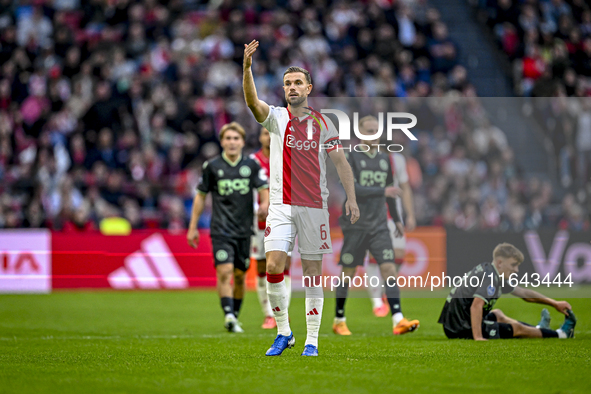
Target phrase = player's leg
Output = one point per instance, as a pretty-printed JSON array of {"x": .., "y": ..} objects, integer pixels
[
  {"x": 257, "y": 252},
  {"x": 223, "y": 253},
  {"x": 224, "y": 273},
  {"x": 287, "y": 277},
  {"x": 352, "y": 256},
  {"x": 313, "y": 241},
  {"x": 381, "y": 248},
  {"x": 511, "y": 328},
  {"x": 269, "y": 321},
  {"x": 279, "y": 238},
  {"x": 399, "y": 244},
  {"x": 339, "y": 325},
  {"x": 312, "y": 281},
  {"x": 376, "y": 292},
  {"x": 241, "y": 264}
]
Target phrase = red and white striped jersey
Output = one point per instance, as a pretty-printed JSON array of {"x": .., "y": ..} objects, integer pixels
[
  {"x": 297, "y": 164},
  {"x": 263, "y": 161}
]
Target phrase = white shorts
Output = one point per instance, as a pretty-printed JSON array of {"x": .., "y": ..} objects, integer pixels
[
  {"x": 257, "y": 245},
  {"x": 311, "y": 225},
  {"x": 397, "y": 242}
]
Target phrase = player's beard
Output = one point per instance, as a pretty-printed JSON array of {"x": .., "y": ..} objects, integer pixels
[{"x": 296, "y": 101}]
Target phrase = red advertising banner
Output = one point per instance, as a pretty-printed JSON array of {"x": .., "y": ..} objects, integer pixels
[
  {"x": 141, "y": 260},
  {"x": 39, "y": 260}
]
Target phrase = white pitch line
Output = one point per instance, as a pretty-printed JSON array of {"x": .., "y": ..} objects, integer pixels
[{"x": 119, "y": 337}]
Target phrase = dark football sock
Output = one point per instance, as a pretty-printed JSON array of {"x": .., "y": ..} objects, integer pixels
[
  {"x": 546, "y": 333},
  {"x": 237, "y": 305},
  {"x": 393, "y": 295},
  {"x": 227, "y": 305},
  {"x": 342, "y": 291}
]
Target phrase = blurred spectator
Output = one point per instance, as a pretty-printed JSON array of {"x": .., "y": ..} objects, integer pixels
[{"x": 109, "y": 108}]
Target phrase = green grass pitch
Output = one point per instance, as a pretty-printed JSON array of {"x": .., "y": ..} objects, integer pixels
[{"x": 148, "y": 342}]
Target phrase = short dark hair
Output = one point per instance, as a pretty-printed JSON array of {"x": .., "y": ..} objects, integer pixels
[{"x": 296, "y": 69}]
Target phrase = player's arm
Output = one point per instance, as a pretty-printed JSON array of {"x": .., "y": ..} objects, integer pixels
[
  {"x": 529, "y": 295},
  {"x": 476, "y": 318},
  {"x": 193, "y": 233},
  {"x": 346, "y": 176},
  {"x": 406, "y": 191},
  {"x": 259, "y": 108},
  {"x": 393, "y": 209},
  {"x": 264, "y": 204},
  {"x": 411, "y": 222}
]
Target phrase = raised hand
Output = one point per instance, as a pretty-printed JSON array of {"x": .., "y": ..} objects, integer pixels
[{"x": 249, "y": 49}]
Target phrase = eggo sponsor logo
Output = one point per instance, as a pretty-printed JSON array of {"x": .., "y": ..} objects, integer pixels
[{"x": 293, "y": 143}]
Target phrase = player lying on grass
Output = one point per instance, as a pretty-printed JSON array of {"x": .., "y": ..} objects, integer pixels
[
  {"x": 374, "y": 188},
  {"x": 468, "y": 312},
  {"x": 231, "y": 179}
]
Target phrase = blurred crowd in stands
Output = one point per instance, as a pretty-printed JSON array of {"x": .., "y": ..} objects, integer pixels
[
  {"x": 549, "y": 42},
  {"x": 109, "y": 108}
]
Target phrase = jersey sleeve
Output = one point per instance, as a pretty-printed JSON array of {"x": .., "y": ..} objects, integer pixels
[
  {"x": 258, "y": 176},
  {"x": 271, "y": 122},
  {"x": 206, "y": 181},
  {"x": 400, "y": 168},
  {"x": 482, "y": 292},
  {"x": 330, "y": 135}
]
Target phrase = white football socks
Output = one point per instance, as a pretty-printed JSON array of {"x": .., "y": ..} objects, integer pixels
[
  {"x": 277, "y": 294},
  {"x": 262, "y": 294},
  {"x": 287, "y": 279},
  {"x": 314, "y": 304},
  {"x": 375, "y": 293},
  {"x": 396, "y": 318}
]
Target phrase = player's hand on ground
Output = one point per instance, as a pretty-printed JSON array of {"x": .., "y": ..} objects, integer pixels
[
  {"x": 249, "y": 49},
  {"x": 562, "y": 307},
  {"x": 480, "y": 339},
  {"x": 352, "y": 209},
  {"x": 411, "y": 223},
  {"x": 193, "y": 237},
  {"x": 262, "y": 213},
  {"x": 399, "y": 232},
  {"x": 392, "y": 192}
]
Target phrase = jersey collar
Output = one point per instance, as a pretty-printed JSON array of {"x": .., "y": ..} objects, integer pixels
[
  {"x": 495, "y": 267},
  {"x": 375, "y": 153},
  {"x": 233, "y": 164}
]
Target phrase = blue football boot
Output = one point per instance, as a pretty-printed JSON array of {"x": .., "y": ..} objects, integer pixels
[
  {"x": 281, "y": 343},
  {"x": 310, "y": 350}
]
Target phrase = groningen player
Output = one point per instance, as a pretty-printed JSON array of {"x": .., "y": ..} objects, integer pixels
[
  {"x": 373, "y": 188},
  {"x": 298, "y": 195},
  {"x": 401, "y": 180},
  {"x": 231, "y": 179},
  {"x": 468, "y": 312},
  {"x": 258, "y": 241}
]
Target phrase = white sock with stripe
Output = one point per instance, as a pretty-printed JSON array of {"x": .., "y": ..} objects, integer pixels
[
  {"x": 262, "y": 295},
  {"x": 277, "y": 294},
  {"x": 314, "y": 304},
  {"x": 287, "y": 279}
]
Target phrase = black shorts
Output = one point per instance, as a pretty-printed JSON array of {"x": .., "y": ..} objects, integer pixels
[
  {"x": 356, "y": 243},
  {"x": 231, "y": 250},
  {"x": 491, "y": 329}
]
